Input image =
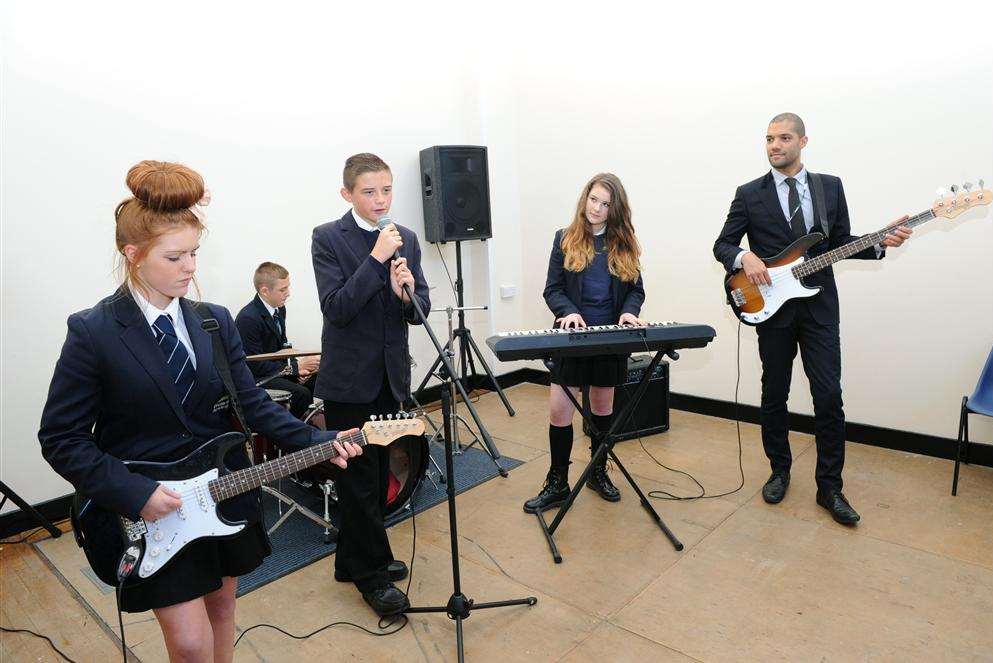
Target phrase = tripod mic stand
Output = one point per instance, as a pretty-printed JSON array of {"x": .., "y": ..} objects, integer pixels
[
  {"x": 459, "y": 607},
  {"x": 469, "y": 352},
  {"x": 8, "y": 493}
]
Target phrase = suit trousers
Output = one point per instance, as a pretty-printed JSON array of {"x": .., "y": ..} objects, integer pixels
[
  {"x": 820, "y": 352},
  {"x": 363, "y": 547}
]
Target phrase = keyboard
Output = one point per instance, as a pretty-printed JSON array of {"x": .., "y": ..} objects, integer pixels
[{"x": 601, "y": 340}]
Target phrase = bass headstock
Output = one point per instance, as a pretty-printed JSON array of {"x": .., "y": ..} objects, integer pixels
[{"x": 952, "y": 203}]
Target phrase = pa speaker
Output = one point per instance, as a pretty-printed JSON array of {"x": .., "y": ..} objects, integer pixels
[{"x": 455, "y": 188}]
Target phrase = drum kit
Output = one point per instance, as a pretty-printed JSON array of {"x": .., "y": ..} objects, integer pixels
[{"x": 408, "y": 459}]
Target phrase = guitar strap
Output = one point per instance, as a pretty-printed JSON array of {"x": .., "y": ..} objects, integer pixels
[
  {"x": 224, "y": 370},
  {"x": 815, "y": 179}
]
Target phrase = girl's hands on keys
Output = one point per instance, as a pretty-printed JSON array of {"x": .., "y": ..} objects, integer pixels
[
  {"x": 632, "y": 319},
  {"x": 571, "y": 321}
]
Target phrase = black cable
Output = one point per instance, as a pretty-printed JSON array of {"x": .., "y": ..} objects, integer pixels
[
  {"x": 23, "y": 539},
  {"x": 445, "y": 265},
  {"x": 384, "y": 622},
  {"x": 665, "y": 495},
  {"x": 38, "y": 635},
  {"x": 120, "y": 621}
]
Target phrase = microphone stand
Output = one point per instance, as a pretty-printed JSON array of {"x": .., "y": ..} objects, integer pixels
[{"x": 459, "y": 606}]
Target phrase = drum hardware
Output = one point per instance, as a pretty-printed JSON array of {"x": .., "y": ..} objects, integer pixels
[{"x": 261, "y": 447}]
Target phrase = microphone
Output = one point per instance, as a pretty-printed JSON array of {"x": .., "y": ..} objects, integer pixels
[{"x": 384, "y": 221}]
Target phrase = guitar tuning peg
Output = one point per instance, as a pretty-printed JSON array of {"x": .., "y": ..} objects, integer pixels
[
  {"x": 390, "y": 417},
  {"x": 955, "y": 188},
  {"x": 372, "y": 417},
  {"x": 981, "y": 183},
  {"x": 941, "y": 192},
  {"x": 967, "y": 186}
]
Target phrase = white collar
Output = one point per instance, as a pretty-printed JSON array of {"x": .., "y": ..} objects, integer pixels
[
  {"x": 800, "y": 177},
  {"x": 362, "y": 223},
  {"x": 152, "y": 312},
  {"x": 271, "y": 309}
]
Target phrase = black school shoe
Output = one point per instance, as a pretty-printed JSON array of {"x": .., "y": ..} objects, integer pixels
[
  {"x": 397, "y": 571},
  {"x": 774, "y": 489},
  {"x": 838, "y": 505},
  {"x": 387, "y": 600}
]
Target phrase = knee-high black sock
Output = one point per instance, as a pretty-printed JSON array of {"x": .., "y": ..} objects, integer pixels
[
  {"x": 560, "y": 444},
  {"x": 602, "y": 423}
]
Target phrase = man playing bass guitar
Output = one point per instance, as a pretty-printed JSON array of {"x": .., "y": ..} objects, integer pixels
[{"x": 774, "y": 211}]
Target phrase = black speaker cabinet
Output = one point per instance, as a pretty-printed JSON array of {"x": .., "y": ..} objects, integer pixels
[
  {"x": 652, "y": 414},
  {"x": 455, "y": 188}
]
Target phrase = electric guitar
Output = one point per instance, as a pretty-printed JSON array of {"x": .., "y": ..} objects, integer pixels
[
  {"x": 123, "y": 550},
  {"x": 755, "y": 304}
]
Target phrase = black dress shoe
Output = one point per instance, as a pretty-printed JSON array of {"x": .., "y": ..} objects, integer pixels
[
  {"x": 397, "y": 571},
  {"x": 386, "y": 600},
  {"x": 774, "y": 489},
  {"x": 601, "y": 483},
  {"x": 839, "y": 507}
]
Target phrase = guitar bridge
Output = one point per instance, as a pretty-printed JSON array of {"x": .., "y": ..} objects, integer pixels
[{"x": 134, "y": 530}]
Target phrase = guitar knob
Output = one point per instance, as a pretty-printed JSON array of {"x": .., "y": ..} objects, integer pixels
[
  {"x": 154, "y": 551},
  {"x": 158, "y": 536},
  {"x": 147, "y": 567}
]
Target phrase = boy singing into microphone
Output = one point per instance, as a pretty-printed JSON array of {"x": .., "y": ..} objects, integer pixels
[{"x": 361, "y": 283}]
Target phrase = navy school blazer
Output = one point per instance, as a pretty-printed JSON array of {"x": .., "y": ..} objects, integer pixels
[
  {"x": 260, "y": 336},
  {"x": 365, "y": 326},
  {"x": 564, "y": 289},
  {"x": 112, "y": 399}
]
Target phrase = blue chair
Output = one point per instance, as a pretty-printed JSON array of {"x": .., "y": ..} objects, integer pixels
[{"x": 981, "y": 402}]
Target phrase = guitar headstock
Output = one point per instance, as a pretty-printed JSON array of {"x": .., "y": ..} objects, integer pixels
[
  {"x": 382, "y": 430},
  {"x": 951, "y": 204}
]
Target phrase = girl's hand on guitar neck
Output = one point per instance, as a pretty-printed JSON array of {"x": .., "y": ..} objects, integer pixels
[
  {"x": 573, "y": 320},
  {"x": 345, "y": 450},
  {"x": 755, "y": 269},
  {"x": 162, "y": 502}
]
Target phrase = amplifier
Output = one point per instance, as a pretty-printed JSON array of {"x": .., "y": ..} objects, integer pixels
[{"x": 652, "y": 414}]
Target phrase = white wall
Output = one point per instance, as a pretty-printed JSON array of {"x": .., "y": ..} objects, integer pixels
[{"x": 266, "y": 105}]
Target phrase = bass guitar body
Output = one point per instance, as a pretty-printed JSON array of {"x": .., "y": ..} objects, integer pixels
[{"x": 754, "y": 304}]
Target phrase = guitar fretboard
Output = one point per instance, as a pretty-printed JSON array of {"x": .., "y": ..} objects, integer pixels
[
  {"x": 242, "y": 481},
  {"x": 861, "y": 244}
]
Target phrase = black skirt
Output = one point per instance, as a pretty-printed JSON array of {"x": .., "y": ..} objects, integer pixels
[
  {"x": 596, "y": 371},
  {"x": 197, "y": 570}
]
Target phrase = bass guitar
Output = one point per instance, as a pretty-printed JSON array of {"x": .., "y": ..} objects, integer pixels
[{"x": 755, "y": 304}]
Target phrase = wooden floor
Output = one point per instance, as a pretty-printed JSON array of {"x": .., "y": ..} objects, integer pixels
[{"x": 913, "y": 582}]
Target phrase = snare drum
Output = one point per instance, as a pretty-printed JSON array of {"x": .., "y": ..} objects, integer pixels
[{"x": 408, "y": 458}]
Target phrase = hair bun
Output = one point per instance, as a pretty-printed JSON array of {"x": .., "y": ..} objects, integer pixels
[{"x": 165, "y": 187}]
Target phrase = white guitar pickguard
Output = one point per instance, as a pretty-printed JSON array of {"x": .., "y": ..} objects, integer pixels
[
  {"x": 784, "y": 287},
  {"x": 195, "y": 519}
]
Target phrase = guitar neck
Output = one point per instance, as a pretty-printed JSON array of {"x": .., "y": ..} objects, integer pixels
[
  {"x": 242, "y": 481},
  {"x": 862, "y": 243}
]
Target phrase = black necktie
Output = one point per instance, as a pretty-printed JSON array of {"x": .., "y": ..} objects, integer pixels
[
  {"x": 176, "y": 356},
  {"x": 797, "y": 221},
  {"x": 279, "y": 324}
]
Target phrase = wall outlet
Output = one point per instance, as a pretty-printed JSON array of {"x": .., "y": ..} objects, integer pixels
[{"x": 508, "y": 291}]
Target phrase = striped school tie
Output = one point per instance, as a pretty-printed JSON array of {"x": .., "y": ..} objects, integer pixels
[{"x": 176, "y": 356}]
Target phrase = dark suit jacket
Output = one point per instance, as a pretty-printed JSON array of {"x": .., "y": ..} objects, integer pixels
[
  {"x": 112, "y": 399},
  {"x": 259, "y": 336},
  {"x": 564, "y": 289},
  {"x": 756, "y": 212},
  {"x": 365, "y": 330}
]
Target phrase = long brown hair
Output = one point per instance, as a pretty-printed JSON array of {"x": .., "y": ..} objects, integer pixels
[
  {"x": 623, "y": 251},
  {"x": 163, "y": 197}
]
